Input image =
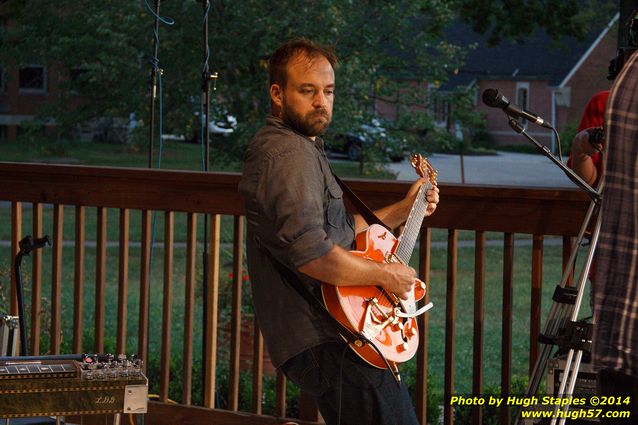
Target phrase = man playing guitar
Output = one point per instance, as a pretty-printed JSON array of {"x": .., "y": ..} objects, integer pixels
[{"x": 299, "y": 234}]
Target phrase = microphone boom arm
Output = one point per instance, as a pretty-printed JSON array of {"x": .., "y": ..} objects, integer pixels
[{"x": 578, "y": 181}]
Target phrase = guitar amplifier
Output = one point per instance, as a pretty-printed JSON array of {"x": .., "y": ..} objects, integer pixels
[
  {"x": 585, "y": 384},
  {"x": 62, "y": 387}
]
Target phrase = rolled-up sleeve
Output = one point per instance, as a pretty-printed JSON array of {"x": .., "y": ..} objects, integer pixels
[{"x": 291, "y": 191}]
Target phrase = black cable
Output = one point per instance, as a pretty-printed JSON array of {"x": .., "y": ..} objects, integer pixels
[
  {"x": 156, "y": 72},
  {"x": 343, "y": 356}
]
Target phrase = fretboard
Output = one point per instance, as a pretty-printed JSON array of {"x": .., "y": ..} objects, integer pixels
[{"x": 410, "y": 234}]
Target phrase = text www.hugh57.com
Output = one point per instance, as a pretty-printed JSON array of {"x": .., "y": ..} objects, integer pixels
[{"x": 575, "y": 414}]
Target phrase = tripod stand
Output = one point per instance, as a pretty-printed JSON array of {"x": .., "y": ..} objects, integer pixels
[
  {"x": 566, "y": 301},
  {"x": 562, "y": 317}
]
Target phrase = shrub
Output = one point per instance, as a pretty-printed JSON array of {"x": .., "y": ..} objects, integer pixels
[{"x": 491, "y": 413}]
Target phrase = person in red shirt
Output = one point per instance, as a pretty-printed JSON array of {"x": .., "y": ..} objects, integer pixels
[{"x": 585, "y": 158}]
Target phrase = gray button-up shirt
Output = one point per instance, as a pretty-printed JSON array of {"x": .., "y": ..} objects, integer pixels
[{"x": 295, "y": 214}]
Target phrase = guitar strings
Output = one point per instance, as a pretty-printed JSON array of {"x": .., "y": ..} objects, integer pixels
[
  {"x": 384, "y": 299},
  {"x": 410, "y": 234}
]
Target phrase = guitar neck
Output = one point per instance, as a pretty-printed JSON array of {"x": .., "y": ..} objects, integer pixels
[{"x": 410, "y": 234}]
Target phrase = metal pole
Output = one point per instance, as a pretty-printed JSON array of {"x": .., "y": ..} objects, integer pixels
[{"x": 206, "y": 78}]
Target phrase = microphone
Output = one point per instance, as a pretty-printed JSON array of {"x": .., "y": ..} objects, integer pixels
[{"x": 491, "y": 97}]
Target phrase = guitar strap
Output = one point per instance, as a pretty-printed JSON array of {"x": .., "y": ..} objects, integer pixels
[{"x": 366, "y": 213}]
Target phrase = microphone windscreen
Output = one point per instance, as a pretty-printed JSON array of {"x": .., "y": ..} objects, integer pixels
[{"x": 491, "y": 98}]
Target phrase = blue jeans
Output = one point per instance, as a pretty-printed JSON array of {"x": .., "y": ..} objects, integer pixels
[{"x": 349, "y": 391}]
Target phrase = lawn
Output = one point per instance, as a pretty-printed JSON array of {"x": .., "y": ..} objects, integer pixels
[{"x": 175, "y": 155}]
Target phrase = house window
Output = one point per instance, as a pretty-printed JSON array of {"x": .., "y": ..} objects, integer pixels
[
  {"x": 522, "y": 99},
  {"x": 3, "y": 85},
  {"x": 33, "y": 79},
  {"x": 4, "y": 133},
  {"x": 441, "y": 110}
]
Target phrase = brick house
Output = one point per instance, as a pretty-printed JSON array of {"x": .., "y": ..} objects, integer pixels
[
  {"x": 23, "y": 91},
  {"x": 554, "y": 82}
]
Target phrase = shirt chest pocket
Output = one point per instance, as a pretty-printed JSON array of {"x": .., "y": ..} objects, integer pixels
[{"x": 335, "y": 210}]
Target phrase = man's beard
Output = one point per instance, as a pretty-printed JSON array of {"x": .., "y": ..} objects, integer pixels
[{"x": 309, "y": 125}]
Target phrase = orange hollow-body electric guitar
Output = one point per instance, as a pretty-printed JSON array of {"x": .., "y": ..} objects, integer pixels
[{"x": 381, "y": 318}]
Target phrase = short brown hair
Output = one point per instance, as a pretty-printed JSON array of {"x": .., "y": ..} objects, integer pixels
[{"x": 284, "y": 53}]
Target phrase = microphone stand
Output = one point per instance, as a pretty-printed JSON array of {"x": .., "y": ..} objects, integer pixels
[
  {"x": 207, "y": 77},
  {"x": 154, "y": 71},
  {"x": 27, "y": 244},
  {"x": 561, "y": 326}
]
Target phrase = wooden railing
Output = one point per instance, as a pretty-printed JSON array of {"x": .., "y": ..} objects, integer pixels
[{"x": 144, "y": 195}]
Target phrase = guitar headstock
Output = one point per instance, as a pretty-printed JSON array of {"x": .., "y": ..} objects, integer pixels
[{"x": 423, "y": 168}]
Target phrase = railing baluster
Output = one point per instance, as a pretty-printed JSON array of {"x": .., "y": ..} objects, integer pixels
[
  {"x": 477, "y": 357},
  {"x": 16, "y": 235},
  {"x": 421, "y": 396},
  {"x": 536, "y": 298},
  {"x": 280, "y": 394},
  {"x": 235, "y": 322},
  {"x": 56, "y": 279},
  {"x": 36, "y": 283},
  {"x": 450, "y": 324},
  {"x": 145, "y": 273},
  {"x": 506, "y": 342},
  {"x": 258, "y": 368},
  {"x": 189, "y": 307},
  {"x": 210, "y": 362},
  {"x": 122, "y": 288},
  {"x": 78, "y": 278},
  {"x": 169, "y": 228},
  {"x": 100, "y": 280}
]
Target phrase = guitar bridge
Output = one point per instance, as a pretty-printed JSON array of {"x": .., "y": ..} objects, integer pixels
[{"x": 370, "y": 329}]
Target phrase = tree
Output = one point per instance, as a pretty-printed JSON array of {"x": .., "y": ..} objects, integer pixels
[
  {"x": 389, "y": 50},
  {"x": 518, "y": 19},
  {"x": 86, "y": 40}
]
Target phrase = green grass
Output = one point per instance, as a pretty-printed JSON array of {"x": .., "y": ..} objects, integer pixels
[
  {"x": 436, "y": 338},
  {"x": 174, "y": 155},
  {"x": 492, "y": 310}
]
